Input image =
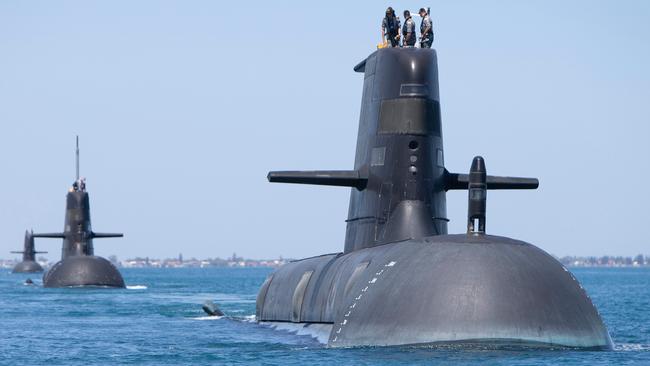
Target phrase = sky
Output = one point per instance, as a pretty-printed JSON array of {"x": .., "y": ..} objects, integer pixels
[{"x": 182, "y": 107}]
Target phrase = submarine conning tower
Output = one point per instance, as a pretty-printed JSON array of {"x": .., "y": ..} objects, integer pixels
[
  {"x": 29, "y": 251},
  {"x": 399, "y": 170},
  {"x": 78, "y": 239},
  {"x": 400, "y": 145}
]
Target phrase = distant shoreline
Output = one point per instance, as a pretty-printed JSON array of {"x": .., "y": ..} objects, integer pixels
[{"x": 639, "y": 261}]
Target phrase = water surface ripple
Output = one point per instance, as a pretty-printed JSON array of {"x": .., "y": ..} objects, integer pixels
[{"x": 158, "y": 320}]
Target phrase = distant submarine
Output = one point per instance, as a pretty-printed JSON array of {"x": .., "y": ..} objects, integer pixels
[
  {"x": 79, "y": 266},
  {"x": 401, "y": 279},
  {"x": 29, "y": 264}
]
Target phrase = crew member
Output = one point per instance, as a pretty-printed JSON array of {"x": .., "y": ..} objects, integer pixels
[
  {"x": 408, "y": 30},
  {"x": 390, "y": 28},
  {"x": 426, "y": 29}
]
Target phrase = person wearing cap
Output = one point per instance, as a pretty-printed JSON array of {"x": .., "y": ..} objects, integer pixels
[
  {"x": 408, "y": 30},
  {"x": 426, "y": 29},
  {"x": 390, "y": 28}
]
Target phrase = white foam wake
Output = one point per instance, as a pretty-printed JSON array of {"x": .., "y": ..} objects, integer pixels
[
  {"x": 207, "y": 318},
  {"x": 249, "y": 318},
  {"x": 136, "y": 287},
  {"x": 320, "y": 332},
  {"x": 631, "y": 347}
]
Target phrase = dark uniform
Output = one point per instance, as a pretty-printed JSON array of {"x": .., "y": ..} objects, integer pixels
[
  {"x": 426, "y": 29},
  {"x": 391, "y": 29},
  {"x": 408, "y": 32}
]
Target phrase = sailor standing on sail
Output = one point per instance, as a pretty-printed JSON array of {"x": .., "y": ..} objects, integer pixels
[
  {"x": 390, "y": 28},
  {"x": 408, "y": 30},
  {"x": 426, "y": 29}
]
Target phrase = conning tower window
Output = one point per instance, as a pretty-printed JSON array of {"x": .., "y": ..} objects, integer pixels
[{"x": 413, "y": 90}]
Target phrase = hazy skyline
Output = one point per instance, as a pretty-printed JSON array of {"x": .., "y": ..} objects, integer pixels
[{"x": 183, "y": 107}]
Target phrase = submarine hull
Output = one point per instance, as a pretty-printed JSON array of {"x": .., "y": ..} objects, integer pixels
[
  {"x": 86, "y": 270},
  {"x": 27, "y": 267},
  {"x": 439, "y": 289}
]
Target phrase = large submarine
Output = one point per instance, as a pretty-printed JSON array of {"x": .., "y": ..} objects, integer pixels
[
  {"x": 79, "y": 266},
  {"x": 29, "y": 263},
  {"x": 401, "y": 279}
]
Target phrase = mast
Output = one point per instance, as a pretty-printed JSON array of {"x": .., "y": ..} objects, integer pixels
[{"x": 77, "y": 160}]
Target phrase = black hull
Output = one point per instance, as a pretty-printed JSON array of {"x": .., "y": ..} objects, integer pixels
[
  {"x": 442, "y": 289},
  {"x": 27, "y": 267},
  {"x": 81, "y": 271}
]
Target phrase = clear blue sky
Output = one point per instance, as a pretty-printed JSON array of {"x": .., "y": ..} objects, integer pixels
[{"x": 183, "y": 107}]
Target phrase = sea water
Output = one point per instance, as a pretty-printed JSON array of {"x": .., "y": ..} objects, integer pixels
[{"x": 157, "y": 320}]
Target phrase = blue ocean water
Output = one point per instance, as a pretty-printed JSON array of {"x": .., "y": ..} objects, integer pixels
[{"x": 158, "y": 321}]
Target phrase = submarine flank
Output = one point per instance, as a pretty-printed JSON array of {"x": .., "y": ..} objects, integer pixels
[{"x": 401, "y": 278}]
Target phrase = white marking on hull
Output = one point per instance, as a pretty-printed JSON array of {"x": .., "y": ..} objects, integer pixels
[{"x": 363, "y": 290}]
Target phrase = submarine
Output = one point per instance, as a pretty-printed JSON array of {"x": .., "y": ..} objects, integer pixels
[
  {"x": 401, "y": 279},
  {"x": 79, "y": 267},
  {"x": 28, "y": 264}
]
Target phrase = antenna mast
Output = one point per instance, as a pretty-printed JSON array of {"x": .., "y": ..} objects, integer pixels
[{"x": 77, "y": 152}]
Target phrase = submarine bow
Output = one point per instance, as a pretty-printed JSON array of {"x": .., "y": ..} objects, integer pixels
[{"x": 401, "y": 279}]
